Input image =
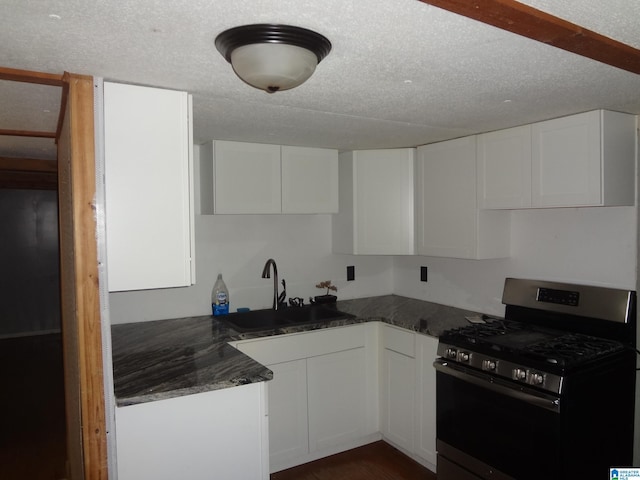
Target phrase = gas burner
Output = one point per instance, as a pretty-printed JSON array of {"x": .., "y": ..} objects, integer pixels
[
  {"x": 491, "y": 328},
  {"x": 572, "y": 348},
  {"x": 531, "y": 344}
]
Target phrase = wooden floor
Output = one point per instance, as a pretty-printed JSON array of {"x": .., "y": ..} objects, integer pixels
[
  {"x": 32, "y": 415},
  {"x": 376, "y": 461}
]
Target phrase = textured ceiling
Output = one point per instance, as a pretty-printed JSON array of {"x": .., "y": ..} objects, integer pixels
[{"x": 401, "y": 73}]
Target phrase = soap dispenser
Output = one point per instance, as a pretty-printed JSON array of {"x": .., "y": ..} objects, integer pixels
[{"x": 220, "y": 297}]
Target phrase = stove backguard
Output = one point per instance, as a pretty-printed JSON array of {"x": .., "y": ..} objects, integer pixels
[{"x": 598, "y": 311}]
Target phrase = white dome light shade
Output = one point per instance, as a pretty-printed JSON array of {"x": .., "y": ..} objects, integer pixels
[
  {"x": 273, "y": 57},
  {"x": 273, "y": 67}
]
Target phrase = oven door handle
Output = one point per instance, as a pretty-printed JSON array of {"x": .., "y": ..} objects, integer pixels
[{"x": 497, "y": 385}]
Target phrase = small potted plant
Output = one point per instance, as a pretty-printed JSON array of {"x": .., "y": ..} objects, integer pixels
[{"x": 326, "y": 298}]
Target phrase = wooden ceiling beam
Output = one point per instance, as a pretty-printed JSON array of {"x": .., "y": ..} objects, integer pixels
[
  {"x": 28, "y": 76},
  {"x": 28, "y": 165},
  {"x": 543, "y": 27},
  {"x": 26, "y": 133}
]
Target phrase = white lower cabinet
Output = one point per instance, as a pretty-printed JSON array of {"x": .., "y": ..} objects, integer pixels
[
  {"x": 323, "y": 397},
  {"x": 218, "y": 434},
  {"x": 289, "y": 432},
  {"x": 425, "y": 438},
  {"x": 337, "y": 392},
  {"x": 408, "y": 393},
  {"x": 338, "y": 388},
  {"x": 398, "y": 387}
]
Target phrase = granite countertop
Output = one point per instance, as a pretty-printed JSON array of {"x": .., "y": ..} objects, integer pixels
[{"x": 170, "y": 358}]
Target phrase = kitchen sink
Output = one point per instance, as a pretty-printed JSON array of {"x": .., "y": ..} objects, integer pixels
[{"x": 268, "y": 319}]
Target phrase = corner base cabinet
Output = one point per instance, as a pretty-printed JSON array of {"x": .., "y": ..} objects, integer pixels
[
  {"x": 322, "y": 399},
  {"x": 218, "y": 434},
  {"x": 148, "y": 187}
]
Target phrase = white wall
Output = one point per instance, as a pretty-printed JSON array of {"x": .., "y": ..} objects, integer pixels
[
  {"x": 581, "y": 245},
  {"x": 594, "y": 246},
  {"x": 238, "y": 246}
]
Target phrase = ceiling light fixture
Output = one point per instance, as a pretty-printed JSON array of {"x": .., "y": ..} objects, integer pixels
[{"x": 273, "y": 57}]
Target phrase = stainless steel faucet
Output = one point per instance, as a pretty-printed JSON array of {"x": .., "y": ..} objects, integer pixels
[{"x": 266, "y": 274}]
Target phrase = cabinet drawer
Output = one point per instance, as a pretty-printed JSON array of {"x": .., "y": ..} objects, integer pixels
[
  {"x": 400, "y": 341},
  {"x": 284, "y": 348}
]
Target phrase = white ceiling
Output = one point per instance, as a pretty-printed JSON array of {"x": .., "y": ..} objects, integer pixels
[{"x": 401, "y": 73}]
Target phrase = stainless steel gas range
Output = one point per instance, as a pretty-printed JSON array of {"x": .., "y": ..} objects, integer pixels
[{"x": 547, "y": 392}]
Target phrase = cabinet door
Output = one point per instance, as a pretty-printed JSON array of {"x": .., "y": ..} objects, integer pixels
[
  {"x": 398, "y": 401},
  {"x": 377, "y": 203},
  {"x": 566, "y": 161},
  {"x": 246, "y": 178},
  {"x": 148, "y": 192},
  {"x": 288, "y": 429},
  {"x": 309, "y": 180},
  {"x": 398, "y": 386},
  {"x": 504, "y": 168},
  {"x": 385, "y": 201},
  {"x": 447, "y": 198},
  {"x": 337, "y": 396},
  {"x": 426, "y": 351}
]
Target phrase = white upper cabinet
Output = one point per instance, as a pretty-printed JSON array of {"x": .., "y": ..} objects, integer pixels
[
  {"x": 504, "y": 168},
  {"x": 309, "y": 180},
  {"x": 255, "y": 178},
  {"x": 148, "y": 187},
  {"x": 450, "y": 224},
  {"x": 586, "y": 159},
  {"x": 376, "y": 203},
  {"x": 580, "y": 160},
  {"x": 246, "y": 178}
]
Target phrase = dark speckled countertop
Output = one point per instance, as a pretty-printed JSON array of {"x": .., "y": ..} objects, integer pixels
[{"x": 171, "y": 358}]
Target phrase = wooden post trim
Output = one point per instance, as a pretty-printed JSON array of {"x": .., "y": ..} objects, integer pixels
[{"x": 81, "y": 118}]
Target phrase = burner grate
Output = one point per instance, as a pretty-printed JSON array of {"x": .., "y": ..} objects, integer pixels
[
  {"x": 527, "y": 343},
  {"x": 571, "y": 349}
]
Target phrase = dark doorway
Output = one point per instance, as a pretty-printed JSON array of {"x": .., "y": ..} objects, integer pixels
[{"x": 32, "y": 432}]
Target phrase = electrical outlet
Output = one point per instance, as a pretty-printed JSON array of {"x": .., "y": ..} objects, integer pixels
[
  {"x": 423, "y": 274},
  {"x": 351, "y": 273}
]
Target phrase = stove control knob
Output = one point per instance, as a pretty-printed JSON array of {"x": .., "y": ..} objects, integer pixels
[
  {"x": 451, "y": 353},
  {"x": 463, "y": 357},
  {"x": 537, "y": 379},
  {"x": 519, "y": 374},
  {"x": 489, "y": 365}
]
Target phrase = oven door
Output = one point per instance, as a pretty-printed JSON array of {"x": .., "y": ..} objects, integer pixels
[{"x": 494, "y": 428}]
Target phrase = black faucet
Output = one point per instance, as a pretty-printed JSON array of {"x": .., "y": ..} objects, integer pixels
[{"x": 266, "y": 274}]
